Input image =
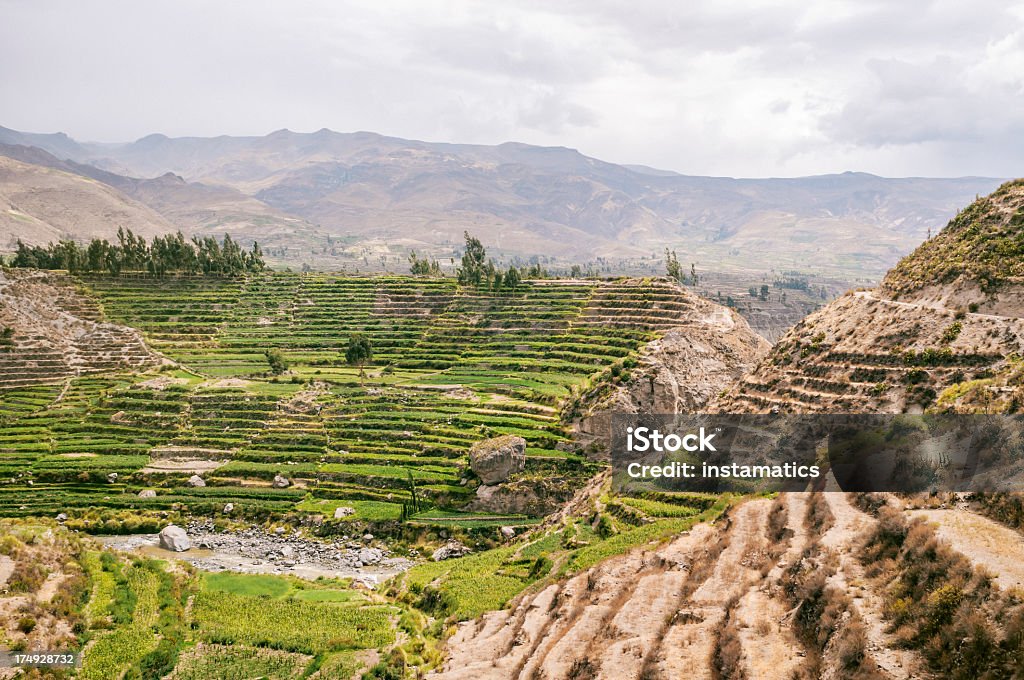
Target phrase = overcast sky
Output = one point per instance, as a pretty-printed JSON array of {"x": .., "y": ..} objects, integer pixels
[{"x": 725, "y": 88}]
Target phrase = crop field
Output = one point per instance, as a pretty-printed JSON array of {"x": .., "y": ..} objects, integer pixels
[{"x": 450, "y": 366}]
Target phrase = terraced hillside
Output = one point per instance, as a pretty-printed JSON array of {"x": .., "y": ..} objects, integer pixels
[
  {"x": 450, "y": 366},
  {"x": 944, "y": 330}
]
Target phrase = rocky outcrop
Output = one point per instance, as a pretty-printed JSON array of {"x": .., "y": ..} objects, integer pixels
[
  {"x": 535, "y": 497},
  {"x": 494, "y": 460},
  {"x": 450, "y": 550},
  {"x": 173, "y": 537},
  {"x": 679, "y": 372}
]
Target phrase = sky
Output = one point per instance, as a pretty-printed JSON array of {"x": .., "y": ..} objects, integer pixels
[{"x": 749, "y": 89}]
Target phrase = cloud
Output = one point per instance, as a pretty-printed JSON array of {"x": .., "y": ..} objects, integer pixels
[{"x": 711, "y": 87}]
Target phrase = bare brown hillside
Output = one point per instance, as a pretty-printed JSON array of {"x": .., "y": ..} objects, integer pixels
[{"x": 39, "y": 205}]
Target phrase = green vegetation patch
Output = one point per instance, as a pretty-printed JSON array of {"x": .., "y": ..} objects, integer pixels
[{"x": 291, "y": 625}]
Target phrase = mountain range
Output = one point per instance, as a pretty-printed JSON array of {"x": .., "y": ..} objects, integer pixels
[{"x": 331, "y": 197}]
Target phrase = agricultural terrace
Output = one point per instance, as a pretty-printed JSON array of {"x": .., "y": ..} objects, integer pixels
[{"x": 450, "y": 365}]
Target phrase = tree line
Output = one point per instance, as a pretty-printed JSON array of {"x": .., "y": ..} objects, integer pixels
[{"x": 170, "y": 254}]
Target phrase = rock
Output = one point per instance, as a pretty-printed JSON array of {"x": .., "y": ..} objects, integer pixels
[
  {"x": 370, "y": 555},
  {"x": 367, "y": 538},
  {"x": 112, "y": 477},
  {"x": 287, "y": 551},
  {"x": 196, "y": 480},
  {"x": 535, "y": 497},
  {"x": 281, "y": 482},
  {"x": 174, "y": 538},
  {"x": 493, "y": 460},
  {"x": 343, "y": 511},
  {"x": 62, "y": 517},
  {"x": 279, "y": 531},
  {"x": 229, "y": 508},
  {"x": 450, "y": 550},
  {"x": 508, "y": 532},
  {"x": 147, "y": 493}
]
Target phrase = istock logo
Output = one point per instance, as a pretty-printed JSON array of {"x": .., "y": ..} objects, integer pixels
[{"x": 644, "y": 439}]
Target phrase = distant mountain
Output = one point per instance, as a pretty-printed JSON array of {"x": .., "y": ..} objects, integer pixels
[
  {"x": 40, "y": 204},
  {"x": 192, "y": 207},
  {"x": 528, "y": 200}
]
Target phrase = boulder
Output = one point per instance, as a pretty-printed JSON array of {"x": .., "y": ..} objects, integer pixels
[
  {"x": 370, "y": 555},
  {"x": 287, "y": 551},
  {"x": 229, "y": 508},
  {"x": 147, "y": 493},
  {"x": 450, "y": 550},
  {"x": 367, "y": 538},
  {"x": 196, "y": 480},
  {"x": 174, "y": 538},
  {"x": 508, "y": 532},
  {"x": 343, "y": 511},
  {"x": 112, "y": 477},
  {"x": 493, "y": 460},
  {"x": 62, "y": 517},
  {"x": 281, "y": 482}
]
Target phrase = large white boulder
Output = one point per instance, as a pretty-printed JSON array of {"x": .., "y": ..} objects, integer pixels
[{"x": 174, "y": 538}]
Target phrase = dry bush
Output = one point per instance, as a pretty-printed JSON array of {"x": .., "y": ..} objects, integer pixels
[
  {"x": 819, "y": 517},
  {"x": 728, "y": 654},
  {"x": 777, "y": 516}
]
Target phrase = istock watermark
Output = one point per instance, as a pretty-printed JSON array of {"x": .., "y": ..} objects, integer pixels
[{"x": 764, "y": 453}]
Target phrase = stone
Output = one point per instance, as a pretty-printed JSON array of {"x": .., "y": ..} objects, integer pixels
[
  {"x": 508, "y": 532},
  {"x": 367, "y": 538},
  {"x": 279, "y": 531},
  {"x": 343, "y": 511},
  {"x": 287, "y": 551},
  {"x": 229, "y": 508},
  {"x": 62, "y": 517},
  {"x": 174, "y": 538},
  {"x": 370, "y": 555},
  {"x": 494, "y": 460},
  {"x": 450, "y": 550},
  {"x": 147, "y": 493},
  {"x": 112, "y": 477},
  {"x": 196, "y": 480},
  {"x": 281, "y": 482}
]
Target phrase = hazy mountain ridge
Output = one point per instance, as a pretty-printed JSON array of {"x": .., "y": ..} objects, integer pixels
[{"x": 543, "y": 200}]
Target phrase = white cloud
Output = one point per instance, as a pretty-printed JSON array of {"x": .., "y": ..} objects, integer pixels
[{"x": 741, "y": 88}]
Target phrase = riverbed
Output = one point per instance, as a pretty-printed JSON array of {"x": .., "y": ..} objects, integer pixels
[{"x": 255, "y": 551}]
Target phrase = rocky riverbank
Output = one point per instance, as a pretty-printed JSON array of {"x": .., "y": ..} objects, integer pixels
[{"x": 256, "y": 551}]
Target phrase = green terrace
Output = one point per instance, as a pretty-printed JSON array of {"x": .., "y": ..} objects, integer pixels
[{"x": 450, "y": 366}]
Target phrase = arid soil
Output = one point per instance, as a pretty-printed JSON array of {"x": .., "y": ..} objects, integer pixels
[{"x": 987, "y": 543}]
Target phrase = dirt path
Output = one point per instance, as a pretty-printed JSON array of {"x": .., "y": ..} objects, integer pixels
[
  {"x": 985, "y": 542},
  {"x": 770, "y": 649},
  {"x": 6, "y": 569},
  {"x": 50, "y": 586}
]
